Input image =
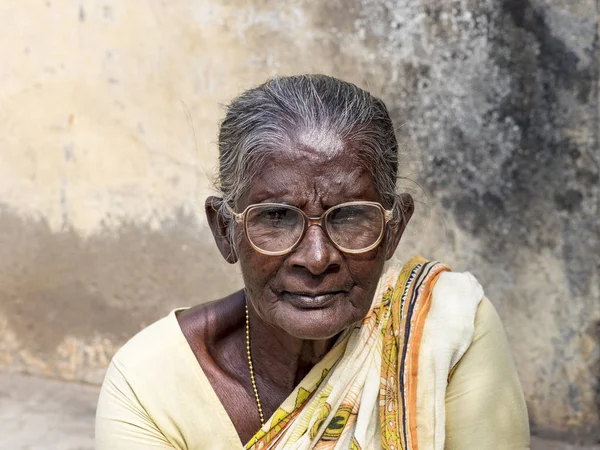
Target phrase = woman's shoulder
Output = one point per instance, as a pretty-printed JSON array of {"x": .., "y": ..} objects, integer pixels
[
  {"x": 157, "y": 369},
  {"x": 459, "y": 294},
  {"x": 462, "y": 292},
  {"x": 155, "y": 392},
  {"x": 459, "y": 285},
  {"x": 461, "y": 308},
  {"x": 456, "y": 295},
  {"x": 155, "y": 345}
]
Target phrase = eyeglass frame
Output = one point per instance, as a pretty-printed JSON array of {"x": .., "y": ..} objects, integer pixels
[{"x": 241, "y": 217}]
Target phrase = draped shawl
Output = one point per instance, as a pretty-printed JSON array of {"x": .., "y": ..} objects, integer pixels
[{"x": 383, "y": 384}]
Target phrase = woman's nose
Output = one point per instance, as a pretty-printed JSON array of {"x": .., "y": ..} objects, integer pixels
[{"x": 316, "y": 252}]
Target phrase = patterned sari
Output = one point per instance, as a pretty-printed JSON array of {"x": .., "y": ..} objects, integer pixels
[{"x": 364, "y": 394}]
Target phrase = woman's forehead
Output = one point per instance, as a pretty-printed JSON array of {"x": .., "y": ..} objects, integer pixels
[{"x": 302, "y": 176}]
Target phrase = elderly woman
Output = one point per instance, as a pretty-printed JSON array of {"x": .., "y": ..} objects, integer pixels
[{"x": 321, "y": 349}]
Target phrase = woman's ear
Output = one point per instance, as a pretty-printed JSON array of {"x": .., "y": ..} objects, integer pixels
[
  {"x": 219, "y": 225},
  {"x": 397, "y": 227}
]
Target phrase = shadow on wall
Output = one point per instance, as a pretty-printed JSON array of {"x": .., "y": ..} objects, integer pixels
[{"x": 68, "y": 303}]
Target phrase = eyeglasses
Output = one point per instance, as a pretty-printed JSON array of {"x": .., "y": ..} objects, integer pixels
[{"x": 276, "y": 229}]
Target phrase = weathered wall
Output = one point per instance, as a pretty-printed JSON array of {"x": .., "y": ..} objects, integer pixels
[{"x": 108, "y": 119}]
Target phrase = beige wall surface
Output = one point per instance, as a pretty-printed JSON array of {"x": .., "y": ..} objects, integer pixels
[{"x": 109, "y": 113}]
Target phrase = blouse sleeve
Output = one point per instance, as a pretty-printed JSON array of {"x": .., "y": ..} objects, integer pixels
[
  {"x": 485, "y": 407},
  {"x": 121, "y": 421}
]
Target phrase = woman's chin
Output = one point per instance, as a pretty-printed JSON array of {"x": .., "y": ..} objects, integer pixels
[
  {"x": 312, "y": 334},
  {"x": 314, "y": 324}
]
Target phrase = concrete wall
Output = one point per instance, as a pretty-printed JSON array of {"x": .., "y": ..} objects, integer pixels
[{"x": 108, "y": 121}]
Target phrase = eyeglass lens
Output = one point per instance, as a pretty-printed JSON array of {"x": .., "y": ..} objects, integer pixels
[{"x": 278, "y": 228}]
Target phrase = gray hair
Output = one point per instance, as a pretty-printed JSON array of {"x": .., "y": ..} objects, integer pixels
[{"x": 265, "y": 119}]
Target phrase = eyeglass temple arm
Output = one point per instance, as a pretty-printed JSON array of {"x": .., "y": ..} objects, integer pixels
[
  {"x": 238, "y": 217},
  {"x": 388, "y": 214}
]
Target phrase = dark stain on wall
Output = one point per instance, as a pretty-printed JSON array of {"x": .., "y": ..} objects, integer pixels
[
  {"x": 545, "y": 180},
  {"x": 544, "y": 194},
  {"x": 541, "y": 193}
]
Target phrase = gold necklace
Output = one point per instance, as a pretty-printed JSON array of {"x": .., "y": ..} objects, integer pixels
[{"x": 252, "y": 379}]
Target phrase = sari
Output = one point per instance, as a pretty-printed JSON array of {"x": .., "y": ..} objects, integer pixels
[{"x": 382, "y": 385}]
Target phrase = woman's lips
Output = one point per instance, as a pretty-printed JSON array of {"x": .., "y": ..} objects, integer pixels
[{"x": 303, "y": 300}]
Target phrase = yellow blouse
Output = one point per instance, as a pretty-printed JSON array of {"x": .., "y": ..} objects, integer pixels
[{"x": 156, "y": 396}]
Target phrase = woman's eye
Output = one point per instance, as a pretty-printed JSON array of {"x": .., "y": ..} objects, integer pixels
[
  {"x": 276, "y": 215},
  {"x": 348, "y": 214}
]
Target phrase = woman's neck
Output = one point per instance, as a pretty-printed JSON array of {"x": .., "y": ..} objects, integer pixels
[{"x": 280, "y": 360}]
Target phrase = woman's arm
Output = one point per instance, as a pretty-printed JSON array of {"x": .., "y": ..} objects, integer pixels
[
  {"x": 485, "y": 407},
  {"x": 121, "y": 421}
]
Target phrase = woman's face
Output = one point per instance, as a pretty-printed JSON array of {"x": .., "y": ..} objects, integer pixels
[{"x": 281, "y": 289}]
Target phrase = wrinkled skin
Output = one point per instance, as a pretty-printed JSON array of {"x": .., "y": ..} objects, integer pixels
[{"x": 287, "y": 335}]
